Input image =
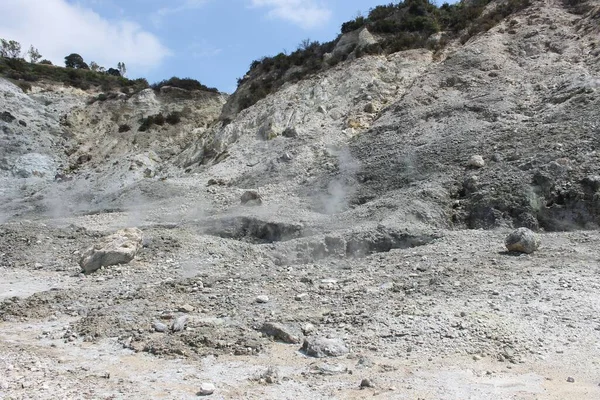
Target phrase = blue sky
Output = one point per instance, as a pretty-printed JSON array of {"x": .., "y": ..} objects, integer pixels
[{"x": 213, "y": 41}]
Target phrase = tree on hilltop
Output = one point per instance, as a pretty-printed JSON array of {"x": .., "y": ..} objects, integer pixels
[
  {"x": 74, "y": 60},
  {"x": 10, "y": 48},
  {"x": 122, "y": 69},
  {"x": 34, "y": 55}
]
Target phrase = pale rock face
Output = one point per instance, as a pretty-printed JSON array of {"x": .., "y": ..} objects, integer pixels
[
  {"x": 119, "y": 248},
  {"x": 34, "y": 164}
]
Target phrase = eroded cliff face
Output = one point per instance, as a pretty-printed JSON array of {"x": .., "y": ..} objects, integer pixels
[{"x": 57, "y": 137}]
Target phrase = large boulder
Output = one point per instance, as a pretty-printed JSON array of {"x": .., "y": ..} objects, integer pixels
[
  {"x": 118, "y": 248},
  {"x": 522, "y": 240}
]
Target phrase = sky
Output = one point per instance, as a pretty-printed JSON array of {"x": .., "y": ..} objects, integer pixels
[{"x": 214, "y": 41}]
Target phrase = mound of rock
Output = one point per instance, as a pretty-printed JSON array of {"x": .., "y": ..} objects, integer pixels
[{"x": 118, "y": 248}]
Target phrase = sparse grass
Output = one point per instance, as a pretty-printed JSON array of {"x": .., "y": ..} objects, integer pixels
[{"x": 20, "y": 70}]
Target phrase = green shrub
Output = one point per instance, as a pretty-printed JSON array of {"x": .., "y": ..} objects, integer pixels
[
  {"x": 173, "y": 118},
  {"x": 124, "y": 128},
  {"x": 146, "y": 123},
  {"x": 353, "y": 25},
  {"x": 185, "y": 83},
  {"x": 159, "y": 119}
]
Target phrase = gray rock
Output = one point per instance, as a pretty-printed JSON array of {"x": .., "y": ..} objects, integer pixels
[
  {"x": 290, "y": 133},
  {"x": 522, "y": 240},
  {"x": 7, "y": 117},
  {"x": 308, "y": 328},
  {"x": 321, "y": 347},
  {"x": 284, "y": 333},
  {"x": 366, "y": 383},
  {"x": 186, "y": 308},
  {"x": 206, "y": 389},
  {"x": 160, "y": 327},
  {"x": 370, "y": 108},
  {"x": 251, "y": 197},
  {"x": 262, "y": 299},
  {"x": 476, "y": 161},
  {"x": 271, "y": 375},
  {"x": 329, "y": 369},
  {"x": 179, "y": 324},
  {"x": 119, "y": 248},
  {"x": 301, "y": 297}
]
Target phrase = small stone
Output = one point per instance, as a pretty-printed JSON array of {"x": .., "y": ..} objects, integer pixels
[
  {"x": 262, "y": 299},
  {"x": 271, "y": 375},
  {"x": 286, "y": 157},
  {"x": 251, "y": 197},
  {"x": 571, "y": 380},
  {"x": 370, "y": 108},
  {"x": 290, "y": 133},
  {"x": 186, "y": 308},
  {"x": 522, "y": 240},
  {"x": 284, "y": 333},
  {"x": 366, "y": 383},
  {"x": 160, "y": 327},
  {"x": 476, "y": 161},
  {"x": 206, "y": 389},
  {"x": 301, "y": 297},
  {"x": 179, "y": 324},
  {"x": 329, "y": 369},
  {"x": 3, "y": 385},
  {"x": 308, "y": 328},
  {"x": 320, "y": 347}
]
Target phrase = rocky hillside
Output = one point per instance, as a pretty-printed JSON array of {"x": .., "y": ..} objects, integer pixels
[
  {"x": 393, "y": 134},
  {"x": 363, "y": 135},
  {"x": 317, "y": 241}
]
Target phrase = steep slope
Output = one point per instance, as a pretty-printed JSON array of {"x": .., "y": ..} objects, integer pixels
[
  {"x": 524, "y": 96},
  {"x": 384, "y": 136}
]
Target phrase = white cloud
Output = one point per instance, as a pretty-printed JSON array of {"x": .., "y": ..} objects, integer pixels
[
  {"x": 304, "y": 13},
  {"x": 185, "y": 5},
  {"x": 58, "y": 28}
]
